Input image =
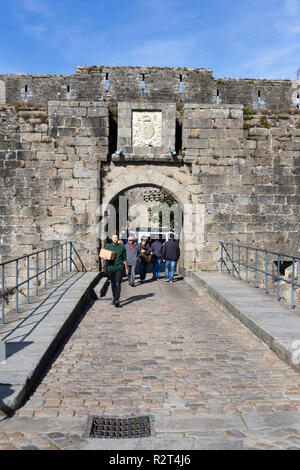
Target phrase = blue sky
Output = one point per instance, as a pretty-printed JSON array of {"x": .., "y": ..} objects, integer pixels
[{"x": 245, "y": 38}]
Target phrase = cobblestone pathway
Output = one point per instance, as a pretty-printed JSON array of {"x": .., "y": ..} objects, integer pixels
[{"x": 168, "y": 353}]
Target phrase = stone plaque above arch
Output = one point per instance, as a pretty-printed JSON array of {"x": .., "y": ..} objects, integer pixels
[
  {"x": 146, "y": 132},
  {"x": 146, "y": 128}
]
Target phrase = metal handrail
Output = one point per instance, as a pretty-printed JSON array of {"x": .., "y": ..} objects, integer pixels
[
  {"x": 61, "y": 261},
  {"x": 234, "y": 265}
]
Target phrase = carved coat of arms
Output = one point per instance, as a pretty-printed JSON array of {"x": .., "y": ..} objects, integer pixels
[{"x": 146, "y": 128}]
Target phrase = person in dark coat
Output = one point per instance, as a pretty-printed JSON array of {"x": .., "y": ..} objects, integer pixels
[
  {"x": 115, "y": 268},
  {"x": 156, "y": 248},
  {"x": 144, "y": 252},
  {"x": 170, "y": 254},
  {"x": 132, "y": 256}
]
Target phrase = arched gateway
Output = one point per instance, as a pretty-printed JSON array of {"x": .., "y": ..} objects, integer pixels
[{"x": 172, "y": 180}]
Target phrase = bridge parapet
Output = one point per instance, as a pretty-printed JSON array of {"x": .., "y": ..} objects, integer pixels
[
  {"x": 44, "y": 266},
  {"x": 275, "y": 272}
]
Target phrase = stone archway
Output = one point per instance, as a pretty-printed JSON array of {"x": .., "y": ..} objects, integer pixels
[
  {"x": 174, "y": 181},
  {"x": 122, "y": 178}
]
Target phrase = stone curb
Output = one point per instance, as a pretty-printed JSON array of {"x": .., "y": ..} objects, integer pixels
[
  {"x": 20, "y": 382},
  {"x": 274, "y": 324}
]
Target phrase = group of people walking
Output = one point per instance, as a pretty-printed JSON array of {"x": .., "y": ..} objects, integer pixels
[{"x": 134, "y": 254}]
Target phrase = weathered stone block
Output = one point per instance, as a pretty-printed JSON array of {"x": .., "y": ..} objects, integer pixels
[
  {"x": 79, "y": 206},
  {"x": 97, "y": 112},
  {"x": 75, "y": 193},
  {"x": 228, "y": 123},
  {"x": 212, "y": 113},
  {"x": 212, "y": 133},
  {"x": 258, "y": 132},
  {"x": 81, "y": 173},
  {"x": 31, "y": 137},
  {"x": 79, "y": 112},
  {"x": 193, "y": 123},
  {"x": 41, "y": 127},
  {"x": 225, "y": 143},
  {"x": 236, "y": 113},
  {"x": 196, "y": 143},
  {"x": 64, "y": 173},
  {"x": 87, "y": 141}
]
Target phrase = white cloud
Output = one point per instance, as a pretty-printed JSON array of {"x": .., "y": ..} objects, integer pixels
[
  {"x": 272, "y": 63},
  {"x": 37, "y": 6},
  {"x": 36, "y": 31},
  {"x": 282, "y": 58},
  {"x": 164, "y": 52},
  {"x": 287, "y": 20}
]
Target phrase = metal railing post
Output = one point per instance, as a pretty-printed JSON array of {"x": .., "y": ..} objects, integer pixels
[
  {"x": 239, "y": 263},
  {"x": 293, "y": 285},
  {"x": 51, "y": 263},
  {"x": 278, "y": 278},
  {"x": 62, "y": 260},
  {"x": 247, "y": 264},
  {"x": 45, "y": 267},
  {"x": 70, "y": 256},
  {"x": 3, "y": 290},
  {"x": 17, "y": 288},
  {"x": 221, "y": 263},
  {"x": 266, "y": 273},
  {"x": 232, "y": 260},
  {"x": 227, "y": 270},
  {"x": 56, "y": 262},
  {"x": 255, "y": 276},
  {"x": 37, "y": 275},
  {"x": 28, "y": 274}
]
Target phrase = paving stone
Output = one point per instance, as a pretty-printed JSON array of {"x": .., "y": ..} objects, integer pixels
[
  {"x": 55, "y": 435},
  {"x": 234, "y": 433},
  {"x": 10, "y": 447},
  {"x": 218, "y": 444},
  {"x": 29, "y": 448}
]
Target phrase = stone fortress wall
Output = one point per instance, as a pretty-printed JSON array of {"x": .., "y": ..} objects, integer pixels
[
  {"x": 154, "y": 84},
  {"x": 241, "y": 167}
]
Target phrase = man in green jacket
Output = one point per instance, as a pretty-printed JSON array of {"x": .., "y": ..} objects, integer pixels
[{"x": 115, "y": 268}]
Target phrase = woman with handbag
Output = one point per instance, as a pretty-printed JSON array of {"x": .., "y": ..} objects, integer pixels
[{"x": 144, "y": 253}]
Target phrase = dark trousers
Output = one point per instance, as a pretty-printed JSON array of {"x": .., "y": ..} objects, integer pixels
[
  {"x": 115, "y": 278},
  {"x": 143, "y": 270}
]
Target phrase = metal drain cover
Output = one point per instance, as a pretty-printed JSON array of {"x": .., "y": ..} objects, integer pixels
[{"x": 117, "y": 428}]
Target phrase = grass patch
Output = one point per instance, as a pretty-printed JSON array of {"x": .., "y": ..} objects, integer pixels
[
  {"x": 219, "y": 81},
  {"x": 265, "y": 123},
  {"x": 248, "y": 113}
]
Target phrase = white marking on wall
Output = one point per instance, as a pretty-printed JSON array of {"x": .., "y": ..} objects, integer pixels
[
  {"x": 296, "y": 93},
  {"x": 2, "y": 92}
]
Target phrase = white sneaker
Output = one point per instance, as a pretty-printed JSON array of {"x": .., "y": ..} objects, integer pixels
[
  {"x": 171, "y": 282},
  {"x": 167, "y": 280}
]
